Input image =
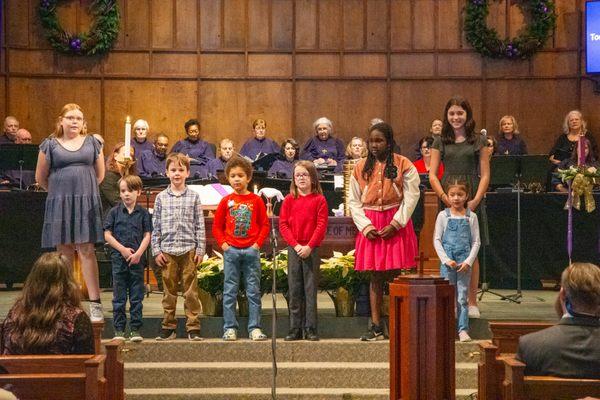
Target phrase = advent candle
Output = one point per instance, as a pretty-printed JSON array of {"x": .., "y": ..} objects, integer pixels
[
  {"x": 128, "y": 137},
  {"x": 580, "y": 151}
]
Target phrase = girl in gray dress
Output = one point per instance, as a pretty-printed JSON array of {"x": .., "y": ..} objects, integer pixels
[
  {"x": 70, "y": 167},
  {"x": 466, "y": 157}
]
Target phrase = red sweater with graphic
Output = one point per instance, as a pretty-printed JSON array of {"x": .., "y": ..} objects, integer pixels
[
  {"x": 241, "y": 220},
  {"x": 303, "y": 220}
]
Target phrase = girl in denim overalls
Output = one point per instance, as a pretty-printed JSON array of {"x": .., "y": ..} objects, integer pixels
[{"x": 456, "y": 241}]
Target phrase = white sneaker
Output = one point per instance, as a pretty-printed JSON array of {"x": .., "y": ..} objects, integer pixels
[
  {"x": 463, "y": 336},
  {"x": 96, "y": 314},
  {"x": 257, "y": 335},
  {"x": 230, "y": 335},
  {"x": 474, "y": 312}
]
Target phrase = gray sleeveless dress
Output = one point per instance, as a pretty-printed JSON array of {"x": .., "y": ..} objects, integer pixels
[{"x": 73, "y": 206}]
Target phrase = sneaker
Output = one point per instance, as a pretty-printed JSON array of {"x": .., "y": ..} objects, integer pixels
[
  {"x": 257, "y": 335},
  {"x": 294, "y": 334},
  {"x": 463, "y": 336},
  {"x": 119, "y": 335},
  {"x": 194, "y": 336},
  {"x": 311, "y": 335},
  {"x": 374, "y": 333},
  {"x": 230, "y": 335},
  {"x": 135, "y": 336},
  {"x": 166, "y": 334},
  {"x": 96, "y": 314},
  {"x": 474, "y": 312}
]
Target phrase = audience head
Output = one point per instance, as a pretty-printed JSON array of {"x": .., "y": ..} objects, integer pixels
[
  {"x": 323, "y": 128},
  {"x": 161, "y": 144},
  {"x": 290, "y": 150},
  {"x": 458, "y": 115},
  {"x": 356, "y": 149},
  {"x": 238, "y": 171},
  {"x": 192, "y": 130},
  {"x": 70, "y": 121},
  {"x": 436, "y": 127},
  {"x": 425, "y": 146},
  {"x": 580, "y": 289},
  {"x": 574, "y": 123},
  {"x": 305, "y": 179},
  {"x": 48, "y": 289},
  {"x": 259, "y": 126},
  {"x": 11, "y": 126},
  {"x": 141, "y": 130},
  {"x": 508, "y": 126},
  {"x": 23, "y": 136},
  {"x": 226, "y": 148},
  {"x": 118, "y": 155}
]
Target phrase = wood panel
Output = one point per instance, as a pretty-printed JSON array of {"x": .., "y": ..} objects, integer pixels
[
  {"x": 330, "y": 24},
  {"x": 258, "y": 24},
  {"x": 282, "y": 23},
  {"x": 306, "y": 24},
  {"x": 354, "y": 33},
  {"x": 210, "y": 24},
  {"x": 234, "y": 21},
  {"x": 401, "y": 29},
  {"x": 137, "y": 30},
  {"x": 186, "y": 24},
  {"x": 162, "y": 24}
]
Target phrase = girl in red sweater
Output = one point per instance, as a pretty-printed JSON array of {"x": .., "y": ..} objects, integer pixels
[{"x": 303, "y": 222}]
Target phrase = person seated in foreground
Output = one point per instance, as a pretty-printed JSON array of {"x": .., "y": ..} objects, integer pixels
[
  {"x": 47, "y": 317},
  {"x": 571, "y": 348}
]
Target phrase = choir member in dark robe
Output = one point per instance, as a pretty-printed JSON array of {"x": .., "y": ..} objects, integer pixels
[
  {"x": 11, "y": 126},
  {"x": 140, "y": 141},
  {"x": 154, "y": 163},
  {"x": 284, "y": 167},
  {"x": 323, "y": 149},
  {"x": 260, "y": 144},
  {"x": 356, "y": 149},
  {"x": 510, "y": 141},
  {"x": 218, "y": 164},
  {"x": 192, "y": 146}
]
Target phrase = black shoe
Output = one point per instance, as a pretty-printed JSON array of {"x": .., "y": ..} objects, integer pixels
[
  {"x": 166, "y": 334},
  {"x": 294, "y": 334},
  {"x": 374, "y": 333},
  {"x": 311, "y": 334},
  {"x": 194, "y": 336}
]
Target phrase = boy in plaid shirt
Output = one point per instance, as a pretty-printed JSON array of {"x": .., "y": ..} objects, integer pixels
[{"x": 178, "y": 243}]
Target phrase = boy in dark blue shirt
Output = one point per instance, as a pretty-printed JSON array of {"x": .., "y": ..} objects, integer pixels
[{"x": 127, "y": 230}]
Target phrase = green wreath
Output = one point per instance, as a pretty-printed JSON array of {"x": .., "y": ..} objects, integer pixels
[
  {"x": 486, "y": 41},
  {"x": 98, "y": 40}
]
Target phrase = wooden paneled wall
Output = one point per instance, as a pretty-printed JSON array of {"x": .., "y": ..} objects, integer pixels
[{"x": 290, "y": 62}]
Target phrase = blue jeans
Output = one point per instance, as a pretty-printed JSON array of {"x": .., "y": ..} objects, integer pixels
[
  {"x": 240, "y": 262},
  {"x": 127, "y": 280},
  {"x": 460, "y": 280}
]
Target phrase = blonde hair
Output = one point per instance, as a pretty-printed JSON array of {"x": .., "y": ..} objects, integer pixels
[
  {"x": 58, "y": 132},
  {"x": 581, "y": 283},
  {"x": 364, "y": 151},
  {"x": 179, "y": 158},
  {"x": 259, "y": 121},
  {"x": 514, "y": 121},
  {"x": 111, "y": 162},
  {"x": 133, "y": 182},
  {"x": 566, "y": 122}
]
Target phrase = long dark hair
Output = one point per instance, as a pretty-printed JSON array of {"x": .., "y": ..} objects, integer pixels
[
  {"x": 448, "y": 136},
  {"x": 49, "y": 288},
  {"x": 391, "y": 171}
]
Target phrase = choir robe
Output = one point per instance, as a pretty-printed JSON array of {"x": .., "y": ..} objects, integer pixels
[
  {"x": 152, "y": 164},
  {"x": 283, "y": 167},
  {"x": 331, "y": 148},
  {"x": 140, "y": 148},
  {"x": 198, "y": 150},
  {"x": 254, "y": 147},
  {"x": 215, "y": 165}
]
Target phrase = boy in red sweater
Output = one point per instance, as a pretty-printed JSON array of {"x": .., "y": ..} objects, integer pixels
[
  {"x": 240, "y": 228},
  {"x": 303, "y": 222}
]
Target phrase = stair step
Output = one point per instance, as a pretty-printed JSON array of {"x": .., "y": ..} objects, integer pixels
[
  {"x": 216, "y": 350},
  {"x": 259, "y": 374},
  {"x": 252, "y": 393}
]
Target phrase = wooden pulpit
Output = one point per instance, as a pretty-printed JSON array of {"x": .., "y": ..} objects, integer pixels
[{"x": 422, "y": 333}]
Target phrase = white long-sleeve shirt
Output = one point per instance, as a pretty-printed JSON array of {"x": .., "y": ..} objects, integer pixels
[{"x": 440, "y": 227}]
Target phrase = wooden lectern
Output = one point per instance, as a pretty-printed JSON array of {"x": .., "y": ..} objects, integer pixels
[{"x": 422, "y": 333}]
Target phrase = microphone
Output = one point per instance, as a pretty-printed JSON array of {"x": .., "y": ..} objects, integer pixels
[{"x": 483, "y": 132}]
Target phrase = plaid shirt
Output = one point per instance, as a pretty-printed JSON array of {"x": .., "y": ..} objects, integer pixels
[{"x": 178, "y": 223}]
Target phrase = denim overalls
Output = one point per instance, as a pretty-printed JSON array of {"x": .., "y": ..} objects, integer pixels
[{"x": 456, "y": 241}]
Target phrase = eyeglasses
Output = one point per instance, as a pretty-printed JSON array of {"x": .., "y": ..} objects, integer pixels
[{"x": 301, "y": 175}]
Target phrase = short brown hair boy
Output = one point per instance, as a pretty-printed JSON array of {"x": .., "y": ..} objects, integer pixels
[
  {"x": 133, "y": 182},
  {"x": 179, "y": 158}
]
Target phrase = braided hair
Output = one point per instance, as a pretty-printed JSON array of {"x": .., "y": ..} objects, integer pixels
[{"x": 390, "y": 171}]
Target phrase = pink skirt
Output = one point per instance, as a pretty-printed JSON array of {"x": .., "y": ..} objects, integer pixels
[{"x": 397, "y": 252}]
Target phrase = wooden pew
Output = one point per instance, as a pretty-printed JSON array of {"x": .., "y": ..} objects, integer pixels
[
  {"x": 66, "y": 377},
  {"x": 505, "y": 339},
  {"x": 516, "y": 386}
]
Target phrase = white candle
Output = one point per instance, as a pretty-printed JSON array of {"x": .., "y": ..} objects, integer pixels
[{"x": 128, "y": 137}]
